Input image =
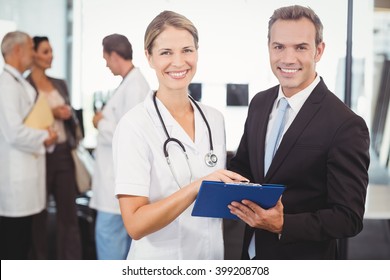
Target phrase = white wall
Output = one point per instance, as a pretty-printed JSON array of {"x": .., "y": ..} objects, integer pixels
[
  {"x": 41, "y": 18},
  {"x": 5, "y": 27}
]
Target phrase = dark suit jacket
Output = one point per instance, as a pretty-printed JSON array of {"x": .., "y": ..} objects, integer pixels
[
  {"x": 72, "y": 127},
  {"x": 323, "y": 160}
]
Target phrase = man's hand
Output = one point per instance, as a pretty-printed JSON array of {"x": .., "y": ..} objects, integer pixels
[
  {"x": 96, "y": 118},
  {"x": 52, "y": 137},
  {"x": 268, "y": 219}
]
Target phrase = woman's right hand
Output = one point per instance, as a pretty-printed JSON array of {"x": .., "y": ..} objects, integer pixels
[
  {"x": 223, "y": 175},
  {"x": 141, "y": 217},
  {"x": 62, "y": 112}
]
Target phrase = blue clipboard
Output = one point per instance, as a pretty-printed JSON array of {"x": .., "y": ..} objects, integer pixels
[{"x": 214, "y": 197}]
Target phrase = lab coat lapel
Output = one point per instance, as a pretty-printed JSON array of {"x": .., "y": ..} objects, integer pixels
[
  {"x": 28, "y": 90},
  {"x": 176, "y": 131},
  {"x": 200, "y": 126},
  {"x": 172, "y": 126}
]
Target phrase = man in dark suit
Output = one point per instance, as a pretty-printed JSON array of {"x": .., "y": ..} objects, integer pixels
[{"x": 322, "y": 157}]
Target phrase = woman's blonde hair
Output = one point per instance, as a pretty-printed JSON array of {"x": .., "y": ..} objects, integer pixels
[{"x": 162, "y": 21}]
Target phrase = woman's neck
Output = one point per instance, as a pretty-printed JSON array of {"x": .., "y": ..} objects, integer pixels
[
  {"x": 177, "y": 102},
  {"x": 40, "y": 79},
  {"x": 38, "y": 74},
  {"x": 179, "y": 105}
]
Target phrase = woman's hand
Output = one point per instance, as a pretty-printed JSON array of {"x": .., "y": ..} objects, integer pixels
[
  {"x": 63, "y": 112},
  {"x": 223, "y": 175},
  {"x": 142, "y": 217}
]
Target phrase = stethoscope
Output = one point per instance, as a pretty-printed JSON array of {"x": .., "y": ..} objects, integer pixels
[
  {"x": 20, "y": 82},
  {"x": 13, "y": 76},
  {"x": 210, "y": 158}
]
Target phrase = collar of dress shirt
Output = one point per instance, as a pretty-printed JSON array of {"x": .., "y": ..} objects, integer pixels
[{"x": 296, "y": 101}]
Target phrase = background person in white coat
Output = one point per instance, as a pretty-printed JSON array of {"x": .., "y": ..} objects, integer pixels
[
  {"x": 156, "y": 198},
  {"x": 22, "y": 150},
  {"x": 112, "y": 240}
]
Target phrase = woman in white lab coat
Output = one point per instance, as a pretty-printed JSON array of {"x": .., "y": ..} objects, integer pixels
[{"x": 156, "y": 198}]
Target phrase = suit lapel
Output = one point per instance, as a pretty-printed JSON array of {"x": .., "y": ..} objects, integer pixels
[
  {"x": 261, "y": 130},
  {"x": 62, "y": 91},
  {"x": 304, "y": 117}
]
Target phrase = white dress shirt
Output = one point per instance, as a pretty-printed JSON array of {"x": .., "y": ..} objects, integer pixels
[{"x": 295, "y": 104}]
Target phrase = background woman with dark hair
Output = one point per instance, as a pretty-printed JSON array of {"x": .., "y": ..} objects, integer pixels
[{"x": 60, "y": 171}]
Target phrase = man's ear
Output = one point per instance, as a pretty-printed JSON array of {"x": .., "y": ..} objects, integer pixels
[
  {"x": 114, "y": 56},
  {"x": 319, "y": 51}
]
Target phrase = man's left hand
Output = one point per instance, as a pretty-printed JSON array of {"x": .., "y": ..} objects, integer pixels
[{"x": 268, "y": 219}]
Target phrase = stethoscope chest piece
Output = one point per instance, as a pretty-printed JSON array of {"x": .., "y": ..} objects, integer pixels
[{"x": 211, "y": 159}]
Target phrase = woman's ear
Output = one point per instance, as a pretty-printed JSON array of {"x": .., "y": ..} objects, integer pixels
[{"x": 149, "y": 58}]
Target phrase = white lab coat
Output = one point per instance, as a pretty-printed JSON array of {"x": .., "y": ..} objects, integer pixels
[
  {"x": 132, "y": 90},
  {"x": 22, "y": 153},
  {"x": 142, "y": 170}
]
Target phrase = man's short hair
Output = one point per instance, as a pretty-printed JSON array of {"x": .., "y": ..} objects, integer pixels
[
  {"x": 297, "y": 12},
  {"x": 118, "y": 43},
  {"x": 11, "y": 39}
]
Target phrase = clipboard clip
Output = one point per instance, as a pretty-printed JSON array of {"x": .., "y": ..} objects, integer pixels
[{"x": 247, "y": 183}]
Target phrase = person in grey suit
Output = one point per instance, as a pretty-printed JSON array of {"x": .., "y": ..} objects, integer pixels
[
  {"x": 22, "y": 150},
  {"x": 322, "y": 158},
  {"x": 60, "y": 170}
]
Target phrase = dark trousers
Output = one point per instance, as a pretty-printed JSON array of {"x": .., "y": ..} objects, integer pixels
[
  {"x": 15, "y": 238},
  {"x": 61, "y": 184}
]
